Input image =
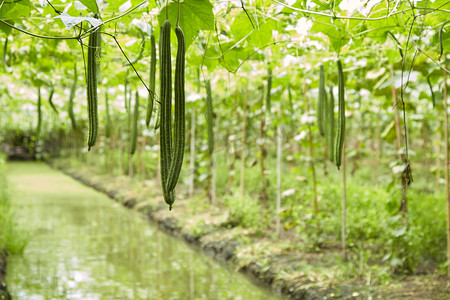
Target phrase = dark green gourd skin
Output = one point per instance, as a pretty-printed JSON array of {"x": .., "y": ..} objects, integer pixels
[
  {"x": 179, "y": 122},
  {"x": 134, "y": 129},
  {"x": 39, "y": 110},
  {"x": 151, "y": 95},
  {"x": 108, "y": 118},
  {"x": 340, "y": 136},
  {"x": 269, "y": 90},
  {"x": 329, "y": 123},
  {"x": 50, "y": 100},
  {"x": 92, "y": 96},
  {"x": 166, "y": 111},
  {"x": 72, "y": 96},
  {"x": 172, "y": 149},
  {"x": 321, "y": 102},
  {"x": 209, "y": 117}
]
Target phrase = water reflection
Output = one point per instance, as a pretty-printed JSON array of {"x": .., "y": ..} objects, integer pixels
[{"x": 85, "y": 246}]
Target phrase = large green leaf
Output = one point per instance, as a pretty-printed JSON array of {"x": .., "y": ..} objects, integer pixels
[
  {"x": 5, "y": 28},
  {"x": 91, "y": 5},
  {"x": 241, "y": 26},
  {"x": 195, "y": 15},
  {"x": 263, "y": 34},
  {"x": 15, "y": 10},
  {"x": 335, "y": 31}
]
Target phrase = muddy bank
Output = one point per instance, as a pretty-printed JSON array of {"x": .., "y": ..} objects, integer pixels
[
  {"x": 277, "y": 264},
  {"x": 4, "y": 295}
]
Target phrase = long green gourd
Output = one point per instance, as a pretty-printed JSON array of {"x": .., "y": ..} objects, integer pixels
[
  {"x": 340, "y": 136},
  {"x": 179, "y": 122},
  {"x": 98, "y": 51},
  {"x": 321, "y": 102},
  {"x": 92, "y": 96},
  {"x": 151, "y": 95},
  {"x": 141, "y": 51},
  {"x": 50, "y": 100},
  {"x": 165, "y": 111},
  {"x": 269, "y": 90},
  {"x": 158, "y": 114},
  {"x": 158, "y": 117},
  {"x": 72, "y": 96},
  {"x": 209, "y": 117},
  {"x": 330, "y": 132},
  {"x": 291, "y": 105},
  {"x": 5, "y": 53},
  {"x": 108, "y": 119},
  {"x": 433, "y": 95},
  {"x": 441, "y": 46},
  {"x": 135, "y": 125},
  {"x": 39, "y": 111}
]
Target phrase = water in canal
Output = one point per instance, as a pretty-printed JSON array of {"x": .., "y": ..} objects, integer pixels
[{"x": 85, "y": 246}]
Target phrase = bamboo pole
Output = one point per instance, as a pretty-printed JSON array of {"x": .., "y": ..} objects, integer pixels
[
  {"x": 192, "y": 156},
  {"x": 279, "y": 154},
  {"x": 344, "y": 204},
  {"x": 311, "y": 151},
  {"x": 243, "y": 141},
  {"x": 213, "y": 162},
  {"x": 447, "y": 189}
]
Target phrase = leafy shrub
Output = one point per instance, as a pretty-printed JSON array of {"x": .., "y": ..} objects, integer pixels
[{"x": 243, "y": 211}]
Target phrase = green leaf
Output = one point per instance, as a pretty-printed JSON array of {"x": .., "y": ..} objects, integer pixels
[
  {"x": 263, "y": 35},
  {"x": 14, "y": 11},
  {"x": 195, "y": 15},
  {"x": 91, "y": 5},
  {"x": 335, "y": 31},
  {"x": 241, "y": 26},
  {"x": 5, "y": 28}
]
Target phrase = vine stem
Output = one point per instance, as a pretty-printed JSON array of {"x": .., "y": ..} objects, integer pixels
[
  {"x": 38, "y": 35},
  {"x": 440, "y": 66},
  {"x": 248, "y": 16},
  {"x": 337, "y": 16},
  {"x": 167, "y": 9},
  {"x": 132, "y": 65},
  {"x": 85, "y": 34}
]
